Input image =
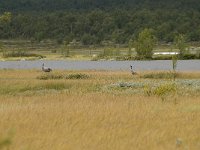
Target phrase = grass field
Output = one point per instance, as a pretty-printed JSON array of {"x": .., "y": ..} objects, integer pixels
[{"x": 107, "y": 110}]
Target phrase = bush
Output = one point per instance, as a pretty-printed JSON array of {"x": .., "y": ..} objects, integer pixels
[
  {"x": 164, "y": 89},
  {"x": 77, "y": 76},
  {"x": 161, "y": 90},
  {"x": 20, "y": 54},
  {"x": 125, "y": 58},
  {"x": 189, "y": 56},
  {"x": 162, "y": 57},
  {"x": 50, "y": 77}
]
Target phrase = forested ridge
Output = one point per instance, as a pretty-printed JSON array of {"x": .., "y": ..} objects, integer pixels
[{"x": 95, "y": 21}]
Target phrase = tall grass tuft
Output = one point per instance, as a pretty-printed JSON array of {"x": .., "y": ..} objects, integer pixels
[
  {"x": 162, "y": 90},
  {"x": 165, "y": 89},
  {"x": 77, "y": 76}
]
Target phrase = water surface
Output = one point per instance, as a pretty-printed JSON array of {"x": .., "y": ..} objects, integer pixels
[{"x": 182, "y": 65}]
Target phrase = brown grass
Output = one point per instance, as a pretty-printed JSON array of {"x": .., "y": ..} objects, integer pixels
[{"x": 86, "y": 118}]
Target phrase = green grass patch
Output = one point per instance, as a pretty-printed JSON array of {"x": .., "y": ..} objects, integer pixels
[
  {"x": 51, "y": 76},
  {"x": 20, "y": 54},
  {"x": 77, "y": 76},
  {"x": 15, "y": 89}
]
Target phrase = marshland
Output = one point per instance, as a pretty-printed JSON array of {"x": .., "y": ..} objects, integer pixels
[
  {"x": 99, "y": 110},
  {"x": 91, "y": 100},
  {"x": 99, "y": 75}
]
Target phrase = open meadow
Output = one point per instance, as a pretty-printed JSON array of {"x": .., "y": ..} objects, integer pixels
[{"x": 101, "y": 110}]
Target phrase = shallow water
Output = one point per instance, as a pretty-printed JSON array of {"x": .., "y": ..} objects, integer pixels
[{"x": 182, "y": 65}]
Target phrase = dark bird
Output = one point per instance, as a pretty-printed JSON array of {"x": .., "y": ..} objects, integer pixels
[
  {"x": 46, "y": 69},
  {"x": 132, "y": 71}
]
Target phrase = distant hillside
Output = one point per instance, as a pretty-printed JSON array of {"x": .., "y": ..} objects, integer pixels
[
  {"x": 52, "y": 5},
  {"x": 95, "y": 21}
]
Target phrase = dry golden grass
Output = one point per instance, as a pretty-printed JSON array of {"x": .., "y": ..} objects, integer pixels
[
  {"x": 180, "y": 75},
  {"x": 82, "y": 116}
]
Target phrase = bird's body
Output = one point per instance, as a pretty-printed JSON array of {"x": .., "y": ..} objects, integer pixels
[
  {"x": 46, "y": 69},
  {"x": 132, "y": 71}
]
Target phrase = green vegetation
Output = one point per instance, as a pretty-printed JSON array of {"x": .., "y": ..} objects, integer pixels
[
  {"x": 54, "y": 76},
  {"x": 5, "y": 17},
  {"x": 144, "y": 44},
  {"x": 180, "y": 43},
  {"x": 20, "y": 53},
  {"x": 92, "y": 22},
  {"x": 95, "y": 30},
  {"x": 16, "y": 49},
  {"x": 77, "y": 76},
  {"x": 50, "y": 76},
  {"x": 5, "y": 143}
]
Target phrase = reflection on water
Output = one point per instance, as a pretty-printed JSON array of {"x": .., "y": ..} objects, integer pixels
[{"x": 183, "y": 65}]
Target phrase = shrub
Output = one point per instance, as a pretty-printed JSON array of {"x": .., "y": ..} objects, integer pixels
[
  {"x": 20, "y": 54},
  {"x": 122, "y": 58},
  {"x": 164, "y": 89},
  {"x": 50, "y": 76},
  {"x": 161, "y": 90},
  {"x": 189, "y": 56},
  {"x": 77, "y": 76},
  {"x": 162, "y": 57}
]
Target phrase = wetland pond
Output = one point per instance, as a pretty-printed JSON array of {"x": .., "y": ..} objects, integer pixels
[{"x": 164, "y": 65}]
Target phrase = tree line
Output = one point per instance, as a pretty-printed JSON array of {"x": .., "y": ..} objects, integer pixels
[{"x": 94, "y": 22}]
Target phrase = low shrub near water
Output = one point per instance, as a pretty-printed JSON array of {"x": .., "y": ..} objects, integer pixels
[
  {"x": 162, "y": 57},
  {"x": 50, "y": 76},
  {"x": 77, "y": 76},
  {"x": 163, "y": 90},
  {"x": 190, "y": 56},
  {"x": 20, "y": 54}
]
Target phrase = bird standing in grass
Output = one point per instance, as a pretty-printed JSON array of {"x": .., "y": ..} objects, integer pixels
[
  {"x": 46, "y": 69},
  {"x": 132, "y": 71}
]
